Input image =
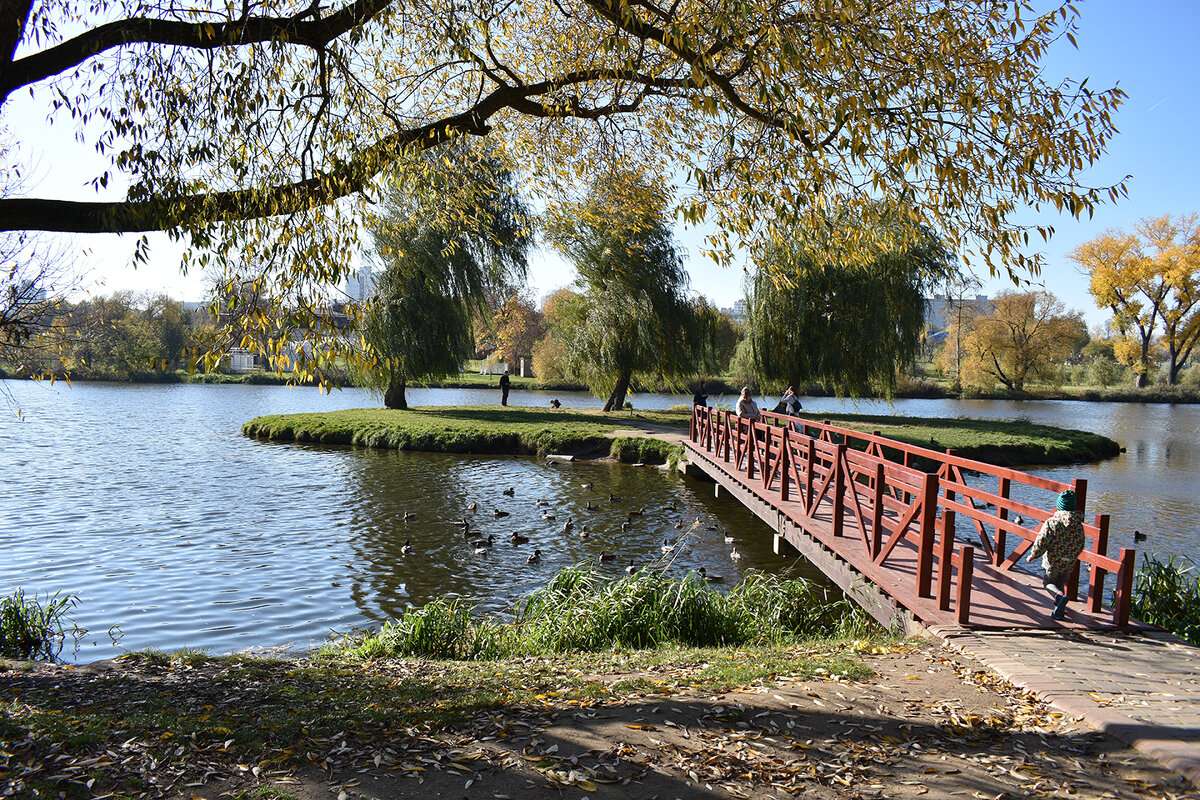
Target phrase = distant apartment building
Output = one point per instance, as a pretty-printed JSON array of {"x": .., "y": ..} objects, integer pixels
[
  {"x": 737, "y": 311},
  {"x": 940, "y": 312},
  {"x": 360, "y": 285}
]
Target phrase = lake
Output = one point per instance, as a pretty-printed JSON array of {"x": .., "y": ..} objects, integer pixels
[{"x": 147, "y": 503}]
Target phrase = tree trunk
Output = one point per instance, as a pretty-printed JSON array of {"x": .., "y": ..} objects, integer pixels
[
  {"x": 616, "y": 400},
  {"x": 394, "y": 396},
  {"x": 1139, "y": 380}
]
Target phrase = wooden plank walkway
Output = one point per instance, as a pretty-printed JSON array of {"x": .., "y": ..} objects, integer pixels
[{"x": 858, "y": 505}]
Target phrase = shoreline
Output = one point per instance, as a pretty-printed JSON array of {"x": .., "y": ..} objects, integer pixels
[{"x": 1153, "y": 395}]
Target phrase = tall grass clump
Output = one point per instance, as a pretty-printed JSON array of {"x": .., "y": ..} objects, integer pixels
[
  {"x": 34, "y": 629},
  {"x": 579, "y": 610},
  {"x": 1167, "y": 594},
  {"x": 443, "y": 628}
]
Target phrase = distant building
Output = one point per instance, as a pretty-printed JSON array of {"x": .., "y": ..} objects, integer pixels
[
  {"x": 738, "y": 311},
  {"x": 360, "y": 285},
  {"x": 940, "y": 312}
]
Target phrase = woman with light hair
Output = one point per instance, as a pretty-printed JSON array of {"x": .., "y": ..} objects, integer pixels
[{"x": 746, "y": 407}]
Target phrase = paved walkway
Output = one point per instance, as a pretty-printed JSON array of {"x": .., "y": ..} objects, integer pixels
[{"x": 1143, "y": 688}]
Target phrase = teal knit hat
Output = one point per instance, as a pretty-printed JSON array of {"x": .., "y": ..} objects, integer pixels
[{"x": 1066, "y": 501}]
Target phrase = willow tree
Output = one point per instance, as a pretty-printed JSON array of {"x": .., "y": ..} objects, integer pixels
[
  {"x": 259, "y": 131},
  {"x": 439, "y": 271},
  {"x": 632, "y": 314},
  {"x": 816, "y": 317}
]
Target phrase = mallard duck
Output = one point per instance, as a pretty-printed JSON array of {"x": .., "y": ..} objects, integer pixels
[
  {"x": 637, "y": 512},
  {"x": 567, "y": 526},
  {"x": 667, "y": 545},
  {"x": 1138, "y": 536},
  {"x": 546, "y": 515},
  {"x": 591, "y": 506},
  {"x": 710, "y": 578},
  {"x": 483, "y": 545},
  {"x": 498, "y": 513},
  {"x": 583, "y": 532},
  {"x": 605, "y": 557},
  {"x": 735, "y": 555},
  {"x": 679, "y": 525},
  {"x": 462, "y": 523},
  {"x": 586, "y": 486},
  {"x": 1019, "y": 519},
  {"x": 472, "y": 533},
  {"x": 408, "y": 515},
  {"x": 509, "y": 492},
  {"x": 670, "y": 507},
  {"x": 406, "y": 548},
  {"x": 536, "y": 558},
  {"x": 613, "y": 498},
  {"x": 630, "y": 568},
  {"x": 626, "y": 525},
  {"x": 472, "y": 506},
  {"x": 728, "y": 538},
  {"x": 541, "y": 502},
  {"x": 518, "y": 538}
]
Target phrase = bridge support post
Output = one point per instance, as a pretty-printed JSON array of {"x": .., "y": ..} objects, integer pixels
[
  {"x": 946, "y": 555},
  {"x": 785, "y": 467},
  {"x": 966, "y": 572},
  {"x": 929, "y": 492},
  {"x": 839, "y": 489},
  {"x": 1001, "y": 545},
  {"x": 1124, "y": 594},
  {"x": 1096, "y": 581},
  {"x": 877, "y": 513}
]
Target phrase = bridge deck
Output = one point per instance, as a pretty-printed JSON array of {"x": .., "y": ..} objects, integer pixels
[{"x": 995, "y": 595}]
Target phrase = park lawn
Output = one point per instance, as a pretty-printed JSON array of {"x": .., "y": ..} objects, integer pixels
[{"x": 523, "y": 430}]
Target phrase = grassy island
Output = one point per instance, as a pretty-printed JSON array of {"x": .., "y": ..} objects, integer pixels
[{"x": 647, "y": 436}]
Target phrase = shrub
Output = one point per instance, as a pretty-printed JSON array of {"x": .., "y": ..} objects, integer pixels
[
  {"x": 1167, "y": 594},
  {"x": 34, "y": 629}
]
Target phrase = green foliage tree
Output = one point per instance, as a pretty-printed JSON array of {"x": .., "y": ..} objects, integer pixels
[
  {"x": 814, "y": 317},
  {"x": 519, "y": 326},
  {"x": 1027, "y": 335},
  {"x": 261, "y": 132},
  {"x": 437, "y": 274},
  {"x": 633, "y": 313}
]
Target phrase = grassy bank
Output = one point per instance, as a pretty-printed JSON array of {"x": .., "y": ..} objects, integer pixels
[
  {"x": 521, "y": 430},
  {"x": 472, "y": 429}
]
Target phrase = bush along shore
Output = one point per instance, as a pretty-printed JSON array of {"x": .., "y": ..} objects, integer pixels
[{"x": 645, "y": 436}]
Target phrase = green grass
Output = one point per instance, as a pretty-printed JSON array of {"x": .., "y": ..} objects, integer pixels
[
  {"x": 581, "y": 611},
  {"x": 523, "y": 430},
  {"x": 1002, "y": 442},
  {"x": 33, "y": 628},
  {"x": 460, "y": 429},
  {"x": 1167, "y": 594}
]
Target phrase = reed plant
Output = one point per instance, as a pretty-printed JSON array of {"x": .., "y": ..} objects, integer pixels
[
  {"x": 580, "y": 610},
  {"x": 35, "y": 629},
  {"x": 1167, "y": 594}
]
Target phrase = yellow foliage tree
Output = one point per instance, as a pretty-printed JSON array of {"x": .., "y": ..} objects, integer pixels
[
  {"x": 1027, "y": 335},
  {"x": 1145, "y": 278},
  {"x": 263, "y": 131}
]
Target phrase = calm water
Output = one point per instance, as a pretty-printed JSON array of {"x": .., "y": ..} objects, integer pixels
[{"x": 147, "y": 503}]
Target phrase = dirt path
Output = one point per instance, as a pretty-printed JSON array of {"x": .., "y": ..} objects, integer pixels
[{"x": 929, "y": 725}]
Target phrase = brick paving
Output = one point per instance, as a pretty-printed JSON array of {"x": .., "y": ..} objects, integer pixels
[{"x": 1142, "y": 688}]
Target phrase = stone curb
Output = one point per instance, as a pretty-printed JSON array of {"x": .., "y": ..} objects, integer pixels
[{"x": 1177, "y": 755}]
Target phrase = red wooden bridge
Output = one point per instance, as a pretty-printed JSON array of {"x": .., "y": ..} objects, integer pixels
[{"x": 899, "y": 527}]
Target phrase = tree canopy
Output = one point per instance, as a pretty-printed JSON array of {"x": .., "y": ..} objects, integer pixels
[
  {"x": 262, "y": 131},
  {"x": 633, "y": 313},
  {"x": 1145, "y": 278},
  {"x": 1027, "y": 335},
  {"x": 814, "y": 318},
  {"x": 437, "y": 273}
]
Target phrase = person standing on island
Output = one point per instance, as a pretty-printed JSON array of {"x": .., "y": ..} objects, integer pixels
[
  {"x": 505, "y": 382},
  {"x": 700, "y": 398},
  {"x": 1059, "y": 542},
  {"x": 746, "y": 407}
]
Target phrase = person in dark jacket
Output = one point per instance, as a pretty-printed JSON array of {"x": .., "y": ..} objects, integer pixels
[{"x": 505, "y": 382}]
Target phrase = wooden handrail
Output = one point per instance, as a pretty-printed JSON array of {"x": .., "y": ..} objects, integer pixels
[{"x": 813, "y": 464}]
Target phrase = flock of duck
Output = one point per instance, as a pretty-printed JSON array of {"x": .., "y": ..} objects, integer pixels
[{"x": 482, "y": 545}]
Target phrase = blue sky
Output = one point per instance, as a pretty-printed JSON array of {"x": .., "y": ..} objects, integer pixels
[{"x": 1148, "y": 48}]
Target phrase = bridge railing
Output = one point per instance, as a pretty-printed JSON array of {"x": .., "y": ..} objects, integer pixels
[{"x": 827, "y": 470}]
